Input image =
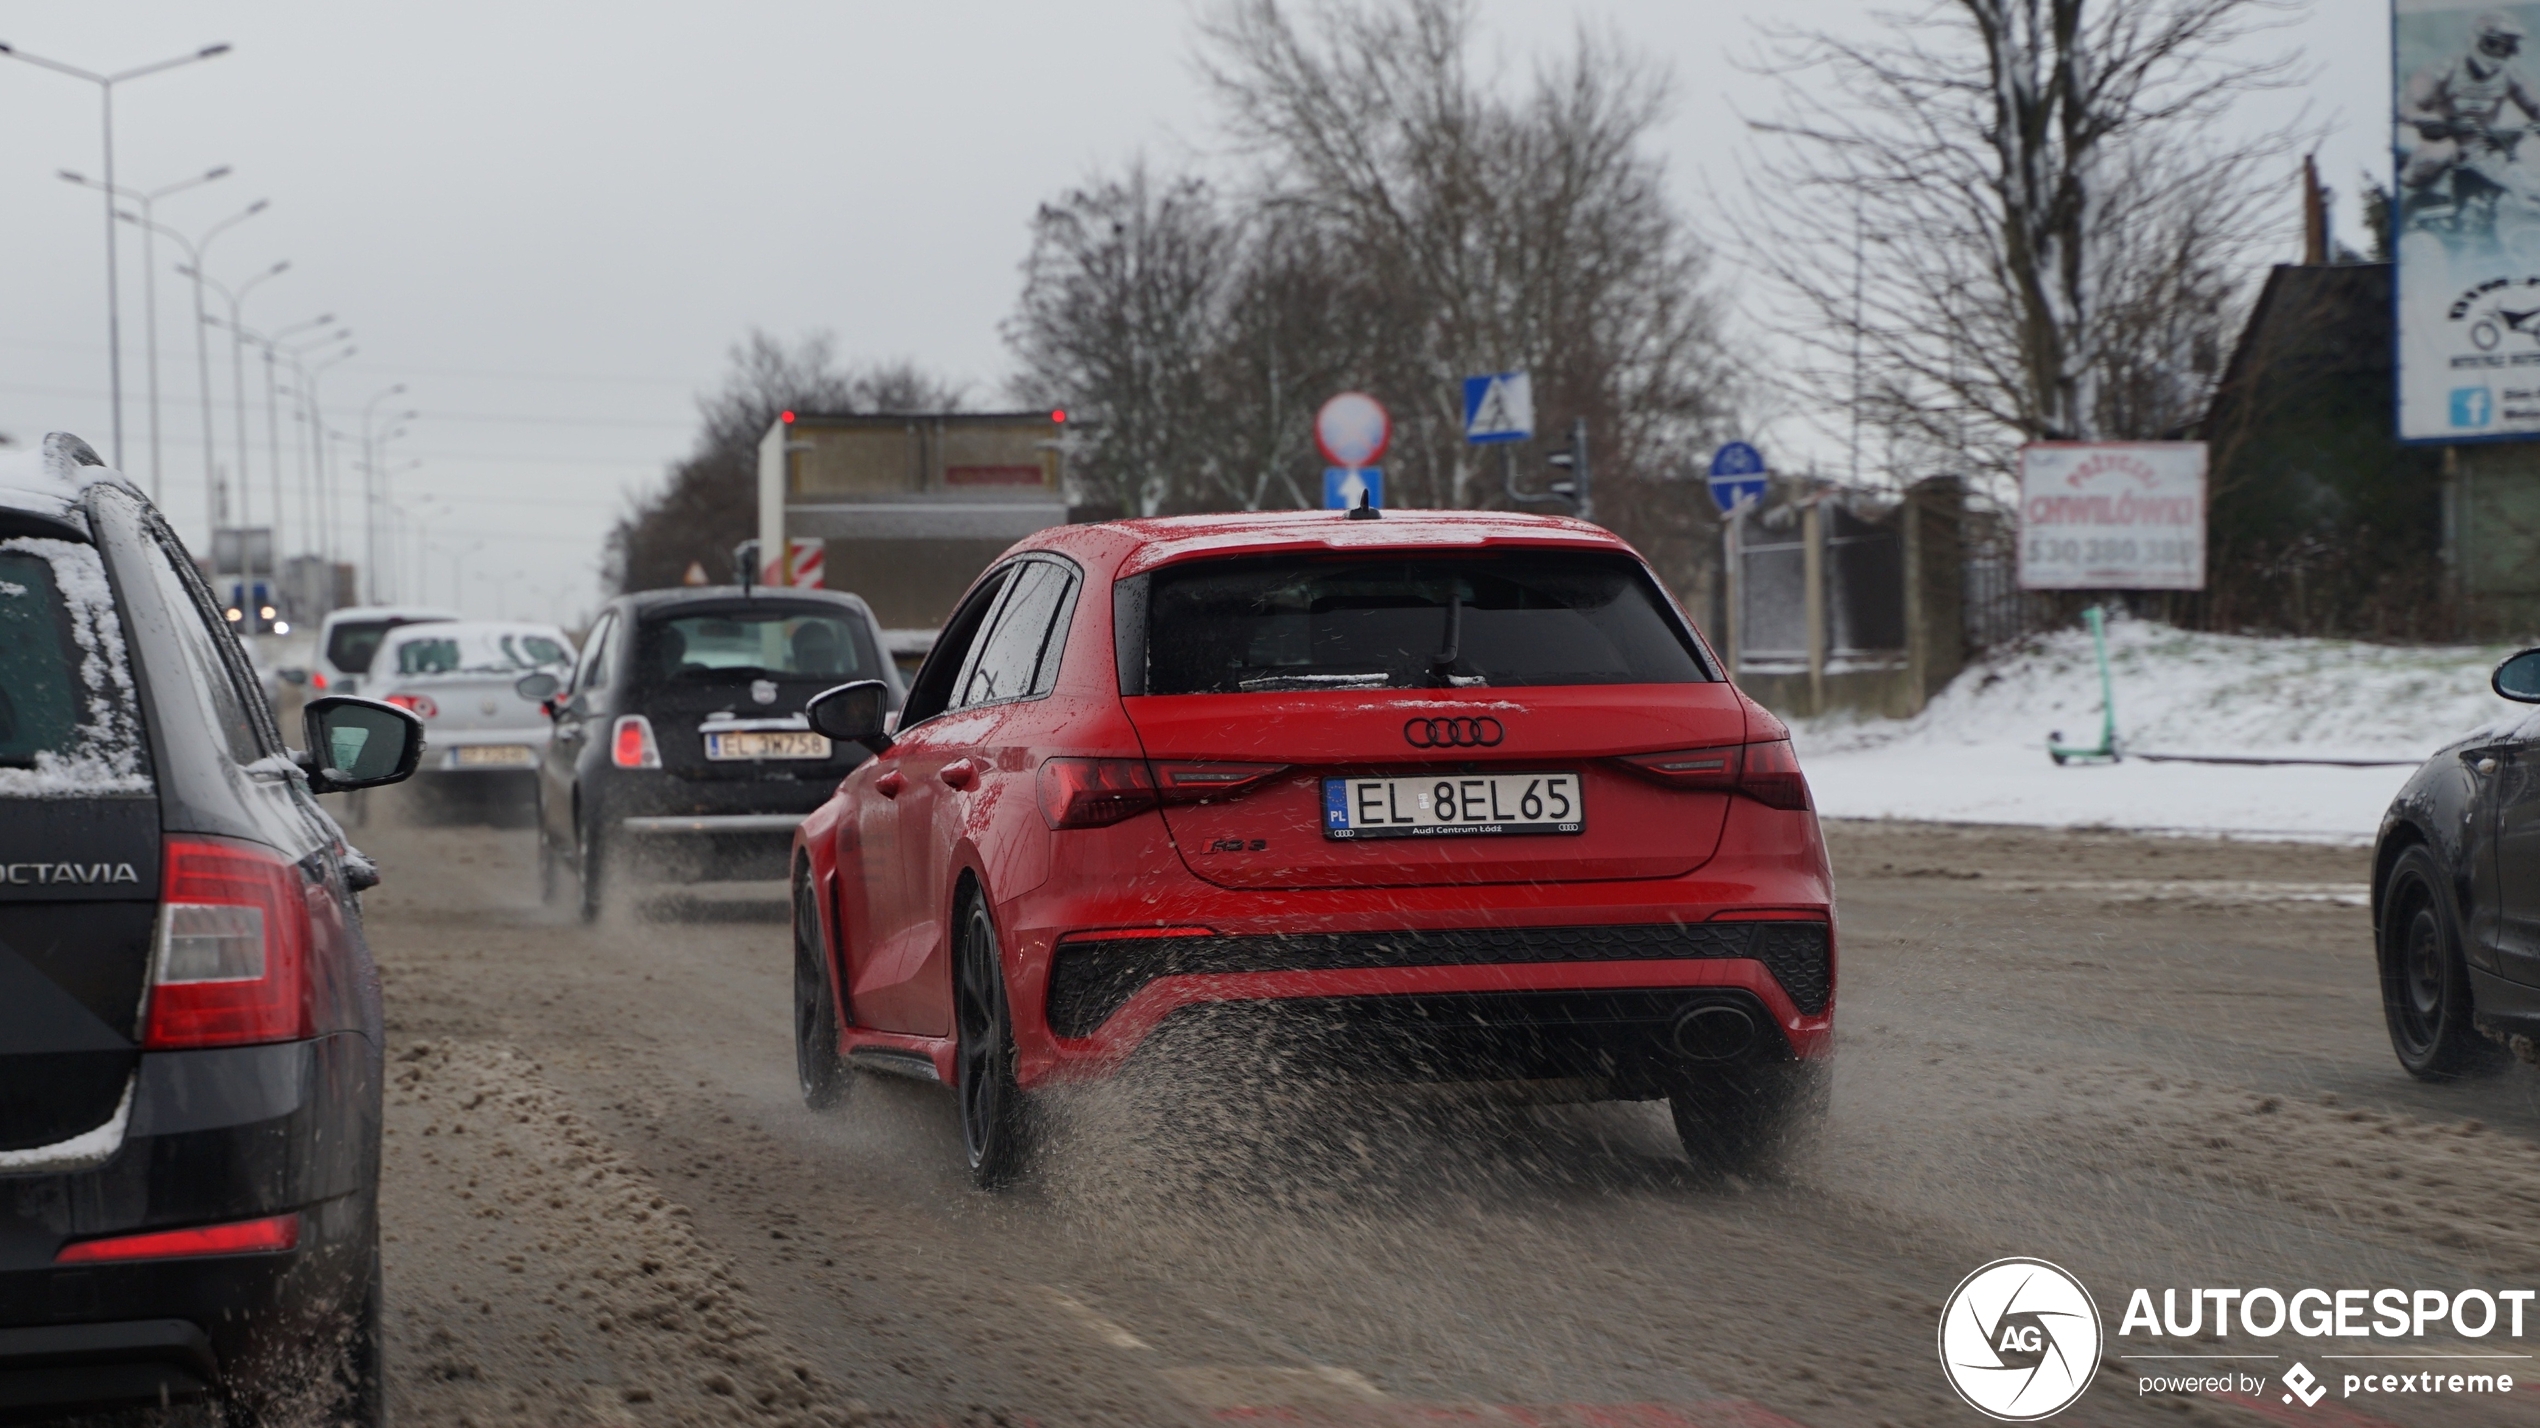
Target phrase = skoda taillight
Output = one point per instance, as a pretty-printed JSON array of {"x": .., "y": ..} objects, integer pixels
[
  {"x": 421, "y": 704},
  {"x": 631, "y": 743},
  {"x": 231, "y": 964},
  {"x": 1767, "y": 772}
]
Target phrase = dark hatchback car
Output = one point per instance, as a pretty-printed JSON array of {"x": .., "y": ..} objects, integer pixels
[
  {"x": 190, "y": 1029},
  {"x": 2456, "y": 896},
  {"x": 681, "y": 752}
]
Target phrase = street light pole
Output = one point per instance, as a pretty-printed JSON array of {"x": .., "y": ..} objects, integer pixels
[
  {"x": 149, "y": 281},
  {"x": 270, "y": 344},
  {"x": 329, "y": 507},
  {"x": 370, "y": 487},
  {"x": 194, "y": 251},
  {"x": 238, "y": 372},
  {"x": 106, "y": 91}
]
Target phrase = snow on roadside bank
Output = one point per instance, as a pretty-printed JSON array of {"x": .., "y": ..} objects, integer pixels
[{"x": 1977, "y": 754}]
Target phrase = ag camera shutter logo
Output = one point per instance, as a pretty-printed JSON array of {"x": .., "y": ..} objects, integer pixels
[{"x": 2020, "y": 1339}]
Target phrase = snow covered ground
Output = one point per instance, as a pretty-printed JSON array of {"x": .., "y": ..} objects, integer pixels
[{"x": 1978, "y": 753}]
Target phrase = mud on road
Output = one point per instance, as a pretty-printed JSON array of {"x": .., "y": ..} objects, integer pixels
[{"x": 2155, "y": 1061}]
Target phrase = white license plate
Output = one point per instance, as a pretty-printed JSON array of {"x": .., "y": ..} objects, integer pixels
[
  {"x": 767, "y": 744},
  {"x": 1430, "y": 805},
  {"x": 494, "y": 756}
]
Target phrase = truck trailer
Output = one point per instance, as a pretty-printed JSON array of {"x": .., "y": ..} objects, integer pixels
[{"x": 905, "y": 509}]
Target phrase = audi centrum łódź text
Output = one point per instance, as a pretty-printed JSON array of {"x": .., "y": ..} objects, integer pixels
[{"x": 1446, "y": 796}]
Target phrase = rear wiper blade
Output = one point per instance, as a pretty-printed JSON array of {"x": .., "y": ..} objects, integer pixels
[{"x": 1315, "y": 681}]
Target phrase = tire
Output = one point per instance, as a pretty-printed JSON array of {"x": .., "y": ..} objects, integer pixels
[
  {"x": 993, "y": 1121},
  {"x": 364, "y": 1403},
  {"x": 2425, "y": 994},
  {"x": 550, "y": 869},
  {"x": 824, "y": 1074},
  {"x": 1753, "y": 1118},
  {"x": 594, "y": 852}
]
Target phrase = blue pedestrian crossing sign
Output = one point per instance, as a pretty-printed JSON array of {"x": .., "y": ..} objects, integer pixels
[
  {"x": 1342, "y": 486},
  {"x": 1499, "y": 406},
  {"x": 1737, "y": 476}
]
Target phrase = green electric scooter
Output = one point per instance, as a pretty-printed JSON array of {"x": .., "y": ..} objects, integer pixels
[{"x": 2106, "y": 750}]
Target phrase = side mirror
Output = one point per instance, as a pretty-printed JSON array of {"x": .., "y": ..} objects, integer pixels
[
  {"x": 853, "y": 713},
  {"x": 2518, "y": 678},
  {"x": 292, "y": 676},
  {"x": 536, "y": 686},
  {"x": 359, "y": 743}
]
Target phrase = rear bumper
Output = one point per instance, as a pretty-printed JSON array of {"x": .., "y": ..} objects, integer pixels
[
  {"x": 1753, "y": 926},
  {"x": 215, "y": 1136}
]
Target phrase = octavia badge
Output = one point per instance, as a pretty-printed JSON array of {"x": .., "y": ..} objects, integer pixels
[{"x": 1459, "y": 733}]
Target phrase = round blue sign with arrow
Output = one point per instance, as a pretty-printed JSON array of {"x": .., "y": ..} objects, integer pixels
[{"x": 1737, "y": 475}]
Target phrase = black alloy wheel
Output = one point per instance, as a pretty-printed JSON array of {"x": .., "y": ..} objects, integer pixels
[
  {"x": 825, "y": 1076},
  {"x": 594, "y": 859},
  {"x": 1751, "y": 1118},
  {"x": 2425, "y": 993},
  {"x": 992, "y": 1112},
  {"x": 363, "y": 1402}
]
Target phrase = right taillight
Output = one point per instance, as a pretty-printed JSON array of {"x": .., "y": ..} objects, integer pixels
[
  {"x": 1767, "y": 772},
  {"x": 231, "y": 964},
  {"x": 631, "y": 743}
]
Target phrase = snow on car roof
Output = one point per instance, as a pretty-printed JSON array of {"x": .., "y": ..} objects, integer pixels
[{"x": 50, "y": 479}]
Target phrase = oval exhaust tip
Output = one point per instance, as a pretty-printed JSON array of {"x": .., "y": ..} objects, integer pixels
[{"x": 1714, "y": 1033}]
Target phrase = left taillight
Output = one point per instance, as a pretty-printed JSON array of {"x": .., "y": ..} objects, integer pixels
[
  {"x": 230, "y": 967},
  {"x": 421, "y": 704},
  {"x": 1090, "y": 793},
  {"x": 631, "y": 743},
  {"x": 1767, "y": 772}
]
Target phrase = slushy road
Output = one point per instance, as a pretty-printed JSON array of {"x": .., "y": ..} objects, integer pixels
[{"x": 2156, "y": 1062}]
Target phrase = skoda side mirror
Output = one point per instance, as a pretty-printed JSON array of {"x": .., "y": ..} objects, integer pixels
[
  {"x": 536, "y": 687},
  {"x": 358, "y": 743},
  {"x": 853, "y": 713},
  {"x": 2518, "y": 678}
]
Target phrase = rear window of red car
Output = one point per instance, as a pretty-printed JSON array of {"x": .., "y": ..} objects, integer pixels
[{"x": 1411, "y": 621}]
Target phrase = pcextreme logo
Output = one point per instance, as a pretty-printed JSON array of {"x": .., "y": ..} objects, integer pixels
[{"x": 2019, "y": 1339}]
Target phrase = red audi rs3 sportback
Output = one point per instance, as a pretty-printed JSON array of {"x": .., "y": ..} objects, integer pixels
[{"x": 1459, "y": 795}]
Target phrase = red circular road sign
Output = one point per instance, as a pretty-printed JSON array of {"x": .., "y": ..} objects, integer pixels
[{"x": 1352, "y": 430}]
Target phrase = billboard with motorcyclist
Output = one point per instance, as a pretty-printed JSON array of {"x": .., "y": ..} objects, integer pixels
[{"x": 2468, "y": 220}]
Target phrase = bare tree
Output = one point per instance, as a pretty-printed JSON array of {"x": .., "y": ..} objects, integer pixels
[
  {"x": 1122, "y": 301},
  {"x": 2014, "y": 219},
  {"x": 1486, "y": 231},
  {"x": 709, "y": 502}
]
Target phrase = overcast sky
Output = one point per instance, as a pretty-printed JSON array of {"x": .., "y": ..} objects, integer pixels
[{"x": 549, "y": 221}]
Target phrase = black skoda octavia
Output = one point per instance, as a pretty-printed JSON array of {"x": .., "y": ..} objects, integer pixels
[{"x": 189, "y": 1018}]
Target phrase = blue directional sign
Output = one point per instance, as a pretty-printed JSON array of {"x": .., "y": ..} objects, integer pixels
[
  {"x": 1499, "y": 406},
  {"x": 1342, "y": 486},
  {"x": 1737, "y": 475}
]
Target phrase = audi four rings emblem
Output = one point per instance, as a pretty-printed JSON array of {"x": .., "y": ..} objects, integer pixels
[{"x": 1453, "y": 733}]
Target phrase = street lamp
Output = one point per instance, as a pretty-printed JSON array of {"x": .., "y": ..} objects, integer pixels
[
  {"x": 238, "y": 369},
  {"x": 194, "y": 251},
  {"x": 370, "y": 483},
  {"x": 270, "y": 343},
  {"x": 106, "y": 93},
  {"x": 329, "y": 507},
  {"x": 149, "y": 279}
]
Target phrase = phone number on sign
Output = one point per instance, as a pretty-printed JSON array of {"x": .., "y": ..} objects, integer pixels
[{"x": 2050, "y": 550}]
